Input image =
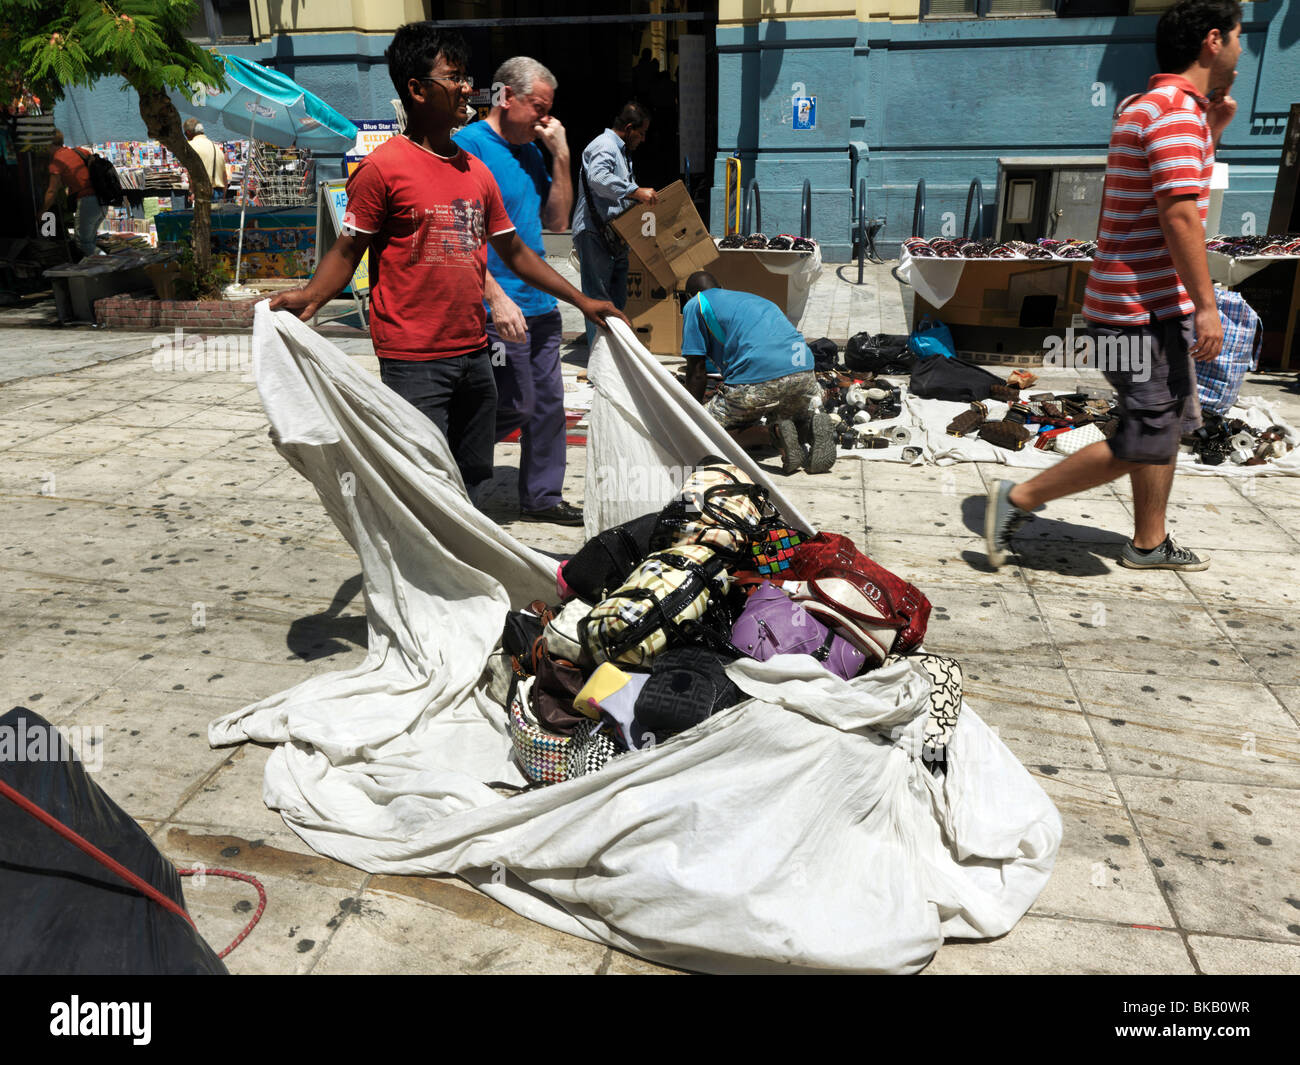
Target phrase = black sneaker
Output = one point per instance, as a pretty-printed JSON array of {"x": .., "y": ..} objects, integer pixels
[
  {"x": 1167, "y": 556},
  {"x": 786, "y": 438},
  {"x": 1001, "y": 520},
  {"x": 561, "y": 514}
]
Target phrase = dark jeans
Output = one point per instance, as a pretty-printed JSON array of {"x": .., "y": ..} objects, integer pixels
[
  {"x": 459, "y": 395},
  {"x": 530, "y": 397},
  {"x": 604, "y": 276}
]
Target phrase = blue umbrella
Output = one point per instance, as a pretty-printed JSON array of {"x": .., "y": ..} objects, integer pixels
[{"x": 271, "y": 107}]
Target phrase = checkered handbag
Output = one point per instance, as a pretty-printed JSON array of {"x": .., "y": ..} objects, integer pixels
[
  {"x": 774, "y": 549},
  {"x": 542, "y": 755},
  {"x": 548, "y": 758}
]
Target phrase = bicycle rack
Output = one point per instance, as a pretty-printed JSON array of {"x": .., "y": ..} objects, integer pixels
[
  {"x": 752, "y": 199},
  {"x": 975, "y": 195}
]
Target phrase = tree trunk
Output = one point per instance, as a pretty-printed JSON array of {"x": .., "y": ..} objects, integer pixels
[{"x": 163, "y": 122}]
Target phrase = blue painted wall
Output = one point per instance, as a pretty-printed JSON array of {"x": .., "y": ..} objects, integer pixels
[
  {"x": 942, "y": 100},
  {"x": 939, "y": 101}
]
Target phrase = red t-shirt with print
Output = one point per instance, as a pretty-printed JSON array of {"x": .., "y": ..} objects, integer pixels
[{"x": 431, "y": 218}]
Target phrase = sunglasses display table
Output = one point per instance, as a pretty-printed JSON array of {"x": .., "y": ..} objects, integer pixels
[{"x": 999, "y": 309}]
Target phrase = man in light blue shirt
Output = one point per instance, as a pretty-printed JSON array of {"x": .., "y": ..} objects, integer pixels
[
  {"x": 523, "y": 324},
  {"x": 767, "y": 371},
  {"x": 606, "y": 187}
]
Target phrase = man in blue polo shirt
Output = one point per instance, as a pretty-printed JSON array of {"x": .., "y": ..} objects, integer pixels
[
  {"x": 523, "y": 324},
  {"x": 767, "y": 371}
]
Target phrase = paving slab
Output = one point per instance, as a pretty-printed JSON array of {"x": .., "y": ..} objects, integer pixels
[
  {"x": 1169, "y": 727},
  {"x": 150, "y": 762},
  {"x": 947, "y": 560},
  {"x": 1033, "y": 709},
  {"x": 1225, "y": 852},
  {"x": 1268, "y": 639},
  {"x": 1050, "y": 946},
  {"x": 1100, "y": 872},
  {"x": 964, "y": 619},
  {"x": 305, "y": 893},
  {"x": 428, "y": 925},
  {"x": 1228, "y": 956},
  {"x": 1139, "y": 636}
]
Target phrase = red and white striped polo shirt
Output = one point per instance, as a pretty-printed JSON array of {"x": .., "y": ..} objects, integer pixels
[{"x": 1160, "y": 146}]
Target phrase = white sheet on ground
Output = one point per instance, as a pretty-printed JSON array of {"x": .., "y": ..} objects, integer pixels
[
  {"x": 928, "y": 419},
  {"x": 797, "y": 831},
  {"x": 645, "y": 432}
]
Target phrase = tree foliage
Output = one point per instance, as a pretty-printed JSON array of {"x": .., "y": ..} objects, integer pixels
[
  {"x": 56, "y": 44},
  {"x": 49, "y": 46}
]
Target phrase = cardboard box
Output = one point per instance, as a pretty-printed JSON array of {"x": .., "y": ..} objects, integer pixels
[
  {"x": 743, "y": 271},
  {"x": 676, "y": 245},
  {"x": 655, "y": 313},
  {"x": 658, "y": 325},
  {"x": 1003, "y": 310}
]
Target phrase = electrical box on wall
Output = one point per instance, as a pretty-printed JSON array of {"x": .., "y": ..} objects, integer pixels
[{"x": 1049, "y": 196}]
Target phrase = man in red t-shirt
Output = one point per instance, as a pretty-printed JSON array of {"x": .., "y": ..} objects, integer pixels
[
  {"x": 427, "y": 210},
  {"x": 68, "y": 170},
  {"x": 1149, "y": 300}
]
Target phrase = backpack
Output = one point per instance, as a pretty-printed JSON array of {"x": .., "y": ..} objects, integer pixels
[{"x": 104, "y": 181}]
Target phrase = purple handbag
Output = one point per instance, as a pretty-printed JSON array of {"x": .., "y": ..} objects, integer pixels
[{"x": 774, "y": 624}]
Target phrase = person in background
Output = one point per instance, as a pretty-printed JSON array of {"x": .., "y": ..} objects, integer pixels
[
  {"x": 428, "y": 210},
  {"x": 214, "y": 159},
  {"x": 606, "y": 186},
  {"x": 767, "y": 371},
  {"x": 524, "y": 326},
  {"x": 1149, "y": 287},
  {"x": 69, "y": 170}
]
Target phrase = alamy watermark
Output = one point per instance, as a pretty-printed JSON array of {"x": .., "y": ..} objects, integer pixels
[
  {"x": 1128, "y": 353},
  {"x": 45, "y": 743},
  {"x": 194, "y": 353}
]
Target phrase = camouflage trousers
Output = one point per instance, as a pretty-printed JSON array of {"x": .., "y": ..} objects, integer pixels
[{"x": 796, "y": 396}]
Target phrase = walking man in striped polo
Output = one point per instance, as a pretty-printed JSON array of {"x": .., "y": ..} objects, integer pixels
[{"x": 1149, "y": 288}]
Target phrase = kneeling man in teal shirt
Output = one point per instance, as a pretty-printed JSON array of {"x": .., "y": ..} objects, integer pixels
[{"x": 767, "y": 371}]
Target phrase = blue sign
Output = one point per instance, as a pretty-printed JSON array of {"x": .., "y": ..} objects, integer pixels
[{"x": 805, "y": 112}]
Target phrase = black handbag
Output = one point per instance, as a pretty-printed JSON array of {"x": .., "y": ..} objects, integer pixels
[
  {"x": 882, "y": 353},
  {"x": 686, "y": 686},
  {"x": 604, "y": 561},
  {"x": 941, "y": 377}
]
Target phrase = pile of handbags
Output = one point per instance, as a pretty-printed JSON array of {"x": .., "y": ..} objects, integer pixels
[{"x": 653, "y": 610}]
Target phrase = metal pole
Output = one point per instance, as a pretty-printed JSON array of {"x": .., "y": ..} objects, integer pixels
[
  {"x": 974, "y": 194},
  {"x": 862, "y": 225},
  {"x": 805, "y": 210},
  {"x": 754, "y": 200},
  {"x": 918, "y": 210},
  {"x": 243, "y": 206}
]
